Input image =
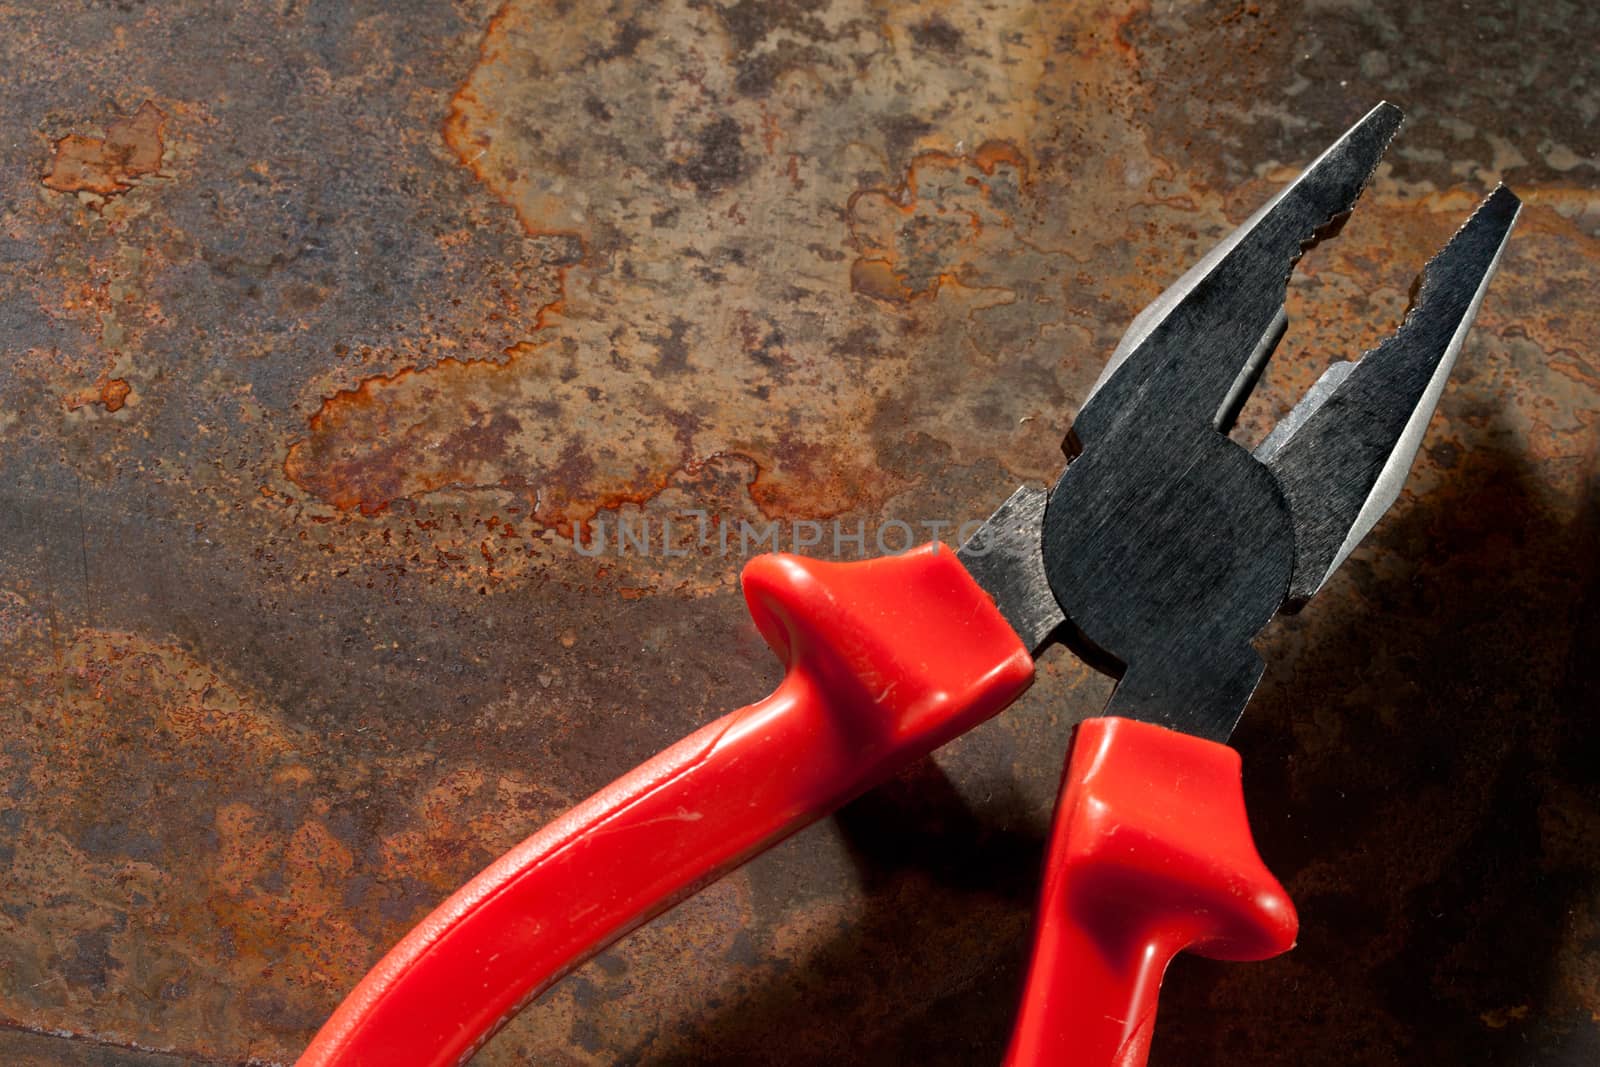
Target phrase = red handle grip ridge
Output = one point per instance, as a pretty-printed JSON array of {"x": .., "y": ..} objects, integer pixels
[
  {"x": 1150, "y": 854},
  {"x": 887, "y": 659}
]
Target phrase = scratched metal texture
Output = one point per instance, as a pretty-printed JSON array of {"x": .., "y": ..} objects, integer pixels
[{"x": 326, "y": 325}]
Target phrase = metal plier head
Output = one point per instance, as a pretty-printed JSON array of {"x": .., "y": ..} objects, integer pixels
[{"x": 1166, "y": 546}]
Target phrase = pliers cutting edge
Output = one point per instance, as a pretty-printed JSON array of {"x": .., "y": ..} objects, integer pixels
[{"x": 1160, "y": 554}]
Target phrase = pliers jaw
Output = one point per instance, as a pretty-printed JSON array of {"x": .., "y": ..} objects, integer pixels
[
  {"x": 1165, "y": 545},
  {"x": 1193, "y": 353},
  {"x": 1343, "y": 453}
]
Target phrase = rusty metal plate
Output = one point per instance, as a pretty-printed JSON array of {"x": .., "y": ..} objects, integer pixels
[{"x": 328, "y": 326}]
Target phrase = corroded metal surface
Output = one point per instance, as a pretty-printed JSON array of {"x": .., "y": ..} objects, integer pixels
[{"x": 327, "y": 326}]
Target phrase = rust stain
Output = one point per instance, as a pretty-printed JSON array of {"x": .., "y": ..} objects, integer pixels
[
  {"x": 233, "y": 867},
  {"x": 646, "y": 367},
  {"x": 108, "y": 393},
  {"x": 110, "y": 165},
  {"x": 877, "y": 278},
  {"x": 929, "y": 231},
  {"x": 106, "y": 296},
  {"x": 471, "y": 145},
  {"x": 398, "y": 435}
]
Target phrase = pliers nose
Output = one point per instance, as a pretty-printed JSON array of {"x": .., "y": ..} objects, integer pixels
[
  {"x": 1193, "y": 353},
  {"x": 1167, "y": 545},
  {"x": 1344, "y": 451}
]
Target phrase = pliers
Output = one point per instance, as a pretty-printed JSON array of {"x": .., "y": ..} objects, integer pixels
[{"x": 1159, "y": 556}]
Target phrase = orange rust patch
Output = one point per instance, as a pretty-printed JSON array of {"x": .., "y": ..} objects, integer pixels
[
  {"x": 400, "y": 435},
  {"x": 108, "y": 393},
  {"x": 473, "y": 147},
  {"x": 138, "y": 773},
  {"x": 928, "y": 231},
  {"x": 478, "y": 424},
  {"x": 109, "y": 165},
  {"x": 877, "y": 278},
  {"x": 991, "y": 154},
  {"x": 652, "y": 368},
  {"x": 815, "y": 482}
]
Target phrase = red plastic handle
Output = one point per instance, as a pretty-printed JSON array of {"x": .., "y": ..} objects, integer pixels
[
  {"x": 887, "y": 660},
  {"x": 1150, "y": 854}
]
